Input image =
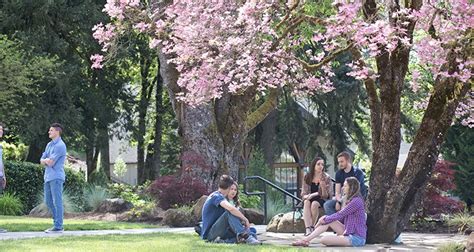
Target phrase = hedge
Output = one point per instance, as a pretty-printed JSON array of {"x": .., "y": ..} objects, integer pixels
[{"x": 25, "y": 180}]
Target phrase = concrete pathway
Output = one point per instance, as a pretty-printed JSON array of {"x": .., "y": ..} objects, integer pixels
[{"x": 412, "y": 241}]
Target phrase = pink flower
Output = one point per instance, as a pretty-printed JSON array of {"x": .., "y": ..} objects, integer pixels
[{"x": 97, "y": 61}]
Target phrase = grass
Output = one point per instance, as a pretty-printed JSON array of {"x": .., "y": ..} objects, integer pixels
[
  {"x": 147, "y": 242},
  {"x": 451, "y": 247},
  {"x": 21, "y": 224}
]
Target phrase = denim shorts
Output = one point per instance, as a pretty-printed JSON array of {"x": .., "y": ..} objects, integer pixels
[{"x": 356, "y": 241}]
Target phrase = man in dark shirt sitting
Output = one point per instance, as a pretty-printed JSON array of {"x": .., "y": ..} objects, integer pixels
[
  {"x": 221, "y": 221},
  {"x": 346, "y": 170}
]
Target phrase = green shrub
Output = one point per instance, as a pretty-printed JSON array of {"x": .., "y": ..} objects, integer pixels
[
  {"x": 10, "y": 205},
  {"x": 75, "y": 184},
  {"x": 120, "y": 167},
  {"x": 68, "y": 203},
  {"x": 98, "y": 178},
  {"x": 451, "y": 247},
  {"x": 13, "y": 151},
  {"x": 93, "y": 196},
  {"x": 123, "y": 191},
  {"x": 258, "y": 167},
  {"x": 248, "y": 201},
  {"x": 276, "y": 204},
  {"x": 26, "y": 180},
  {"x": 141, "y": 208},
  {"x": 462, "y": 221}
]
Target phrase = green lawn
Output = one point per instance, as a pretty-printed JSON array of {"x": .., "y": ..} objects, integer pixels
[
  {"x": 17, "y": 224},
  {"x": 148, "y": 242}
]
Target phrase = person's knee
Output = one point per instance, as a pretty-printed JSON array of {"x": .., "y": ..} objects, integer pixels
[
  {"x": 327, "y": 205},
  {"x": 307, "y": 203},
  {"x": 326, "y": 241},
  {"x": 315, "y": 205}
]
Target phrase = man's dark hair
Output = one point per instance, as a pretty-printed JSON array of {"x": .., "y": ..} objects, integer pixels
[
  {"x": 58, "y": 127},
  {"x": 225, "y": 182}
]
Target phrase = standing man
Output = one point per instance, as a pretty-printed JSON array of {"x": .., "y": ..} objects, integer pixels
[
  {"x": 3, "y": 178},
  {"x": 53, "y": 160},
  {"x": 346, "y": 170}
]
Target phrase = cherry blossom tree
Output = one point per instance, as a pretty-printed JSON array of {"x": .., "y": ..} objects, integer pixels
[{"x": 219, "y": 56}]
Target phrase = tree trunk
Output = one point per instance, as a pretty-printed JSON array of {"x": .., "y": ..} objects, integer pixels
[
  {"x": 213, "y": 133},
  {"x": 145, "y": 93},
  {"x": 103, "y": 146},
  {"x": 388, "y": 218},
  {"x": 153, "y": 156},
  {"x": 35, "y": 149},
  {"x": 156, "y": 160}
]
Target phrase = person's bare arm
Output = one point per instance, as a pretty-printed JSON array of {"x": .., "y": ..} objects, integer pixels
[
  {"x": 47, "y": 161},
  {"x": 338, "y": 192},
  {"x": 234, "y": 211}
]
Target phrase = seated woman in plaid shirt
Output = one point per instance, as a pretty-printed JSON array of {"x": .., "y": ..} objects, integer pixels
[{"x": 354, "y": 230}]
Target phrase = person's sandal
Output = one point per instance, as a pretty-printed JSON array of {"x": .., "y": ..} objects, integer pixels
[
  {"x": 311, "y": 229},
  {"x": 300, "y": 243}
]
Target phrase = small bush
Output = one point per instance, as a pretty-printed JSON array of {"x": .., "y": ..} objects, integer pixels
[
  {"x": 120, "y": 167},
  {"x": 462, "y": 221},
  {"x": 248, "y": 201},
  {"x": 436, "y": 202},
  {"x": 68, "y": 204},
  {"x": 451, "y": 247},
  {"x": 174, "y": 190},
  {"x": 94, "y": 195},
  {"x": 26, "y": 180},
  {"x": 13, "y": 151},
  {"x": 98, "y": 178},
  {"x": 276, "y": 204},
  {"x": 123, "y": 191},
  {"x": 10, "y": 205}
]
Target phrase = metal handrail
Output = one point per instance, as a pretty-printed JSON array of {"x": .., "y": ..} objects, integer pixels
[{"x": 264, "y": 193}]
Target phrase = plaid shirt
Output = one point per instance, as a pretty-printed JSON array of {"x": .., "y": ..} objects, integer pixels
[{"x": 353, "y": 217}]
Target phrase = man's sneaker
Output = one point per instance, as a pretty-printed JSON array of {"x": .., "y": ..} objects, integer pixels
[
  {"x": 252, "y": 241},
  {"x": 54, "y": 230},
  {"x": 242, "y": 238},
  {"x": 218, "y": 240},
  {"x": 3, "y": 230}
]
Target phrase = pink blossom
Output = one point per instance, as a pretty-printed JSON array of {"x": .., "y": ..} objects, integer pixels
[{"x": 97, "y": 61}]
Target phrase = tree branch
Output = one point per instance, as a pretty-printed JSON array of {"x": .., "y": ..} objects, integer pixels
[
  {"x": 374, "y": 101},
  {"x": 293, "y": 26},
  {"x": 332, "y": 56},
  {"x": 288, "y": 14},
  {"x": 268, "y": 106}
]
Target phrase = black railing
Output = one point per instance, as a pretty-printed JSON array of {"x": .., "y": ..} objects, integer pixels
[{"x": 264, "y": 193}]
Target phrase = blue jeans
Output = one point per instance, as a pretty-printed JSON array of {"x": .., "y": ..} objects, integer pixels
[
  {"x": 227, "y": 227},
  {"x": 330, "y": 207},
  {"x": 53, "y": 197}
]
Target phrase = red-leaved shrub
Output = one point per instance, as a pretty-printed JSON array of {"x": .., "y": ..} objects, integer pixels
[
  {"x": 177, "y": 190},
  {"x": 436, "y": 201}
]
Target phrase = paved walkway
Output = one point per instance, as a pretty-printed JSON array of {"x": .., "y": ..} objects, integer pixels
[{"x": 412, "y": 241}]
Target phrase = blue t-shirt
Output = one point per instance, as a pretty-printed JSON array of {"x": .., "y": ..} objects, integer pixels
[
  {"x": 55, "y": 150},
  {"x": 211, "y": 211},
  {"x": 341, "y": 176}
]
